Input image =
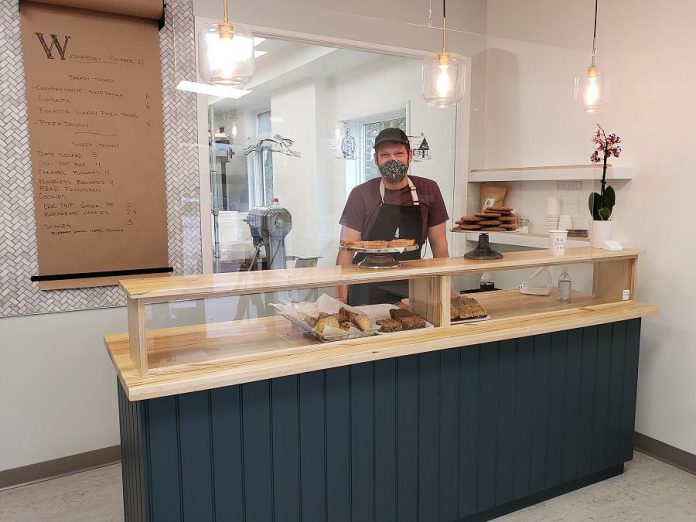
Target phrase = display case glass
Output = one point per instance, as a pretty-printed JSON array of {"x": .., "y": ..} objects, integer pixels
[{"x": 200, "y": 321}]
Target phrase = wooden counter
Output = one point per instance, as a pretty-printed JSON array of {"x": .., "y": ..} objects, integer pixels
[{"x": 222, "y": 355}]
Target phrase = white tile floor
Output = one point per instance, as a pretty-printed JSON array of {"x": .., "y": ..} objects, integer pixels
[{"x": 649, "y": 490}]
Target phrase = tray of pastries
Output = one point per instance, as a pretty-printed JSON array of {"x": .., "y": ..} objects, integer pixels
[
  {"x": 328, "y": 319},
  {"x": 391, "y": 318},
  {"x": 380, "y": 247}
]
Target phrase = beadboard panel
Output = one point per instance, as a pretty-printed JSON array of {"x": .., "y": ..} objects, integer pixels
[{"x": 459, "y": 434}]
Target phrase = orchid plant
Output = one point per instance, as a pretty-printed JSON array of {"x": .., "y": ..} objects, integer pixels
[{"x": 602, "y": 204}]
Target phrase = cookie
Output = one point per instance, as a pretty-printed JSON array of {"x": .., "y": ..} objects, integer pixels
[
  {"x": 509, "y": 226},
  {"x": 500, "y": 209},
  {"x": 489, "y": 223},
  {"x": 472, "y": 219},
  {"x": 470, "y": 227},
  {"x": 487, "y": 215},
  {"x": 508, "y": 219}
]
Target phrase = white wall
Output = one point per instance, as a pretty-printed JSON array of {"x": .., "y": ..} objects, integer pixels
[
  {"x": 649, "y": 50},
  {"x": 58, "y": 388},
  {"x": 294, "y": 112}
]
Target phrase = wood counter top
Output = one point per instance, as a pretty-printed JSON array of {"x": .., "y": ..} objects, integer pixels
[
  {"x": 288, "y": 353},
  {"x": 160, "y": 289}
]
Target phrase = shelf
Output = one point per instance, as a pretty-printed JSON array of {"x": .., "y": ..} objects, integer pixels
[
  {"x": 526, "y": 240},
  {"x": 163, "y": 289},
  {"x": 551, "y": 173}
]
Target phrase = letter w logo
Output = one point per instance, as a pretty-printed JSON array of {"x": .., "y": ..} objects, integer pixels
[{"x": 54, "y": 43}]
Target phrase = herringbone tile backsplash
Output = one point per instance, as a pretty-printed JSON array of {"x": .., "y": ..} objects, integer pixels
[{"x": 18, "y": 256}]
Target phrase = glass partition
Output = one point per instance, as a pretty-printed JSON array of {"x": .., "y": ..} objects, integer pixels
[{"x": 301, "y": 137}]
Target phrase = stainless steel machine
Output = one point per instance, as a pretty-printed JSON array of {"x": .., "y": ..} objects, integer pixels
[{"x": 269, "y": 226}]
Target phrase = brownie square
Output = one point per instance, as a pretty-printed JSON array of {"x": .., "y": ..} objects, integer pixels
[
  {"x": 411, "y": 322},
  {"x": 389, "y": 325}
]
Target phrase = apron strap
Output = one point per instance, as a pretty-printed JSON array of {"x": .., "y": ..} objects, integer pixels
[{"x": 412, "y": 187}]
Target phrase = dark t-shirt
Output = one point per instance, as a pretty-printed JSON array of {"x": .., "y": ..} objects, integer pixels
[{"x": 363, "y": 203}]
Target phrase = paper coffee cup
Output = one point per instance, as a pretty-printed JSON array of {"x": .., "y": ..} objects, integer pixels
[{"x": 557, "y": 242}]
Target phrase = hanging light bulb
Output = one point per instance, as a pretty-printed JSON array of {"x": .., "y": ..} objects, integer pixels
[
  {"x": 226, "y": 53},
  {"x": 443, "y": 74},
  {"x": 591, "y": 88}
]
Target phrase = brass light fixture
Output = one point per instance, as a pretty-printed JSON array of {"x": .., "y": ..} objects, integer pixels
[
  {"x": 591, "y": 88},
  {"x": 443, "y": 73},
  {"x": 226, "y": 53}
]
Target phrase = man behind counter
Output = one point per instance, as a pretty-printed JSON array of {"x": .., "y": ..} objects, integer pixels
[{"x": 395, "y": 205}]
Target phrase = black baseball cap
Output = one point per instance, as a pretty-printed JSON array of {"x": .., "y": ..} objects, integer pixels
[{"x": 394, "y": 135}]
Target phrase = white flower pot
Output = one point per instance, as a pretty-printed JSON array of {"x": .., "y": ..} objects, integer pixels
[{"x": 601, "y": 232}]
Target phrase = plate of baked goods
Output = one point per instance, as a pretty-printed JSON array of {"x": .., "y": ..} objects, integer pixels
[
  {"x": 380, "y": 247},
  {"x": 391, "y": 318},
  {"x": 464, "y": 309},
  {"x": 328, "y": 319}
]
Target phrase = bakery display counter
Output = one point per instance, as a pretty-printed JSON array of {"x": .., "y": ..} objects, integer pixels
[
  {"x": 154, "y": 362},
  {"x": 253, "y": 419}
]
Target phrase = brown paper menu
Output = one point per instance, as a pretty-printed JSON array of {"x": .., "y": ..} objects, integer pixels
[{"x": 95, "y": 124}]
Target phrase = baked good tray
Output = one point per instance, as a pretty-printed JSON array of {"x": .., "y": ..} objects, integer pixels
[{"x": 388, "y": 250}]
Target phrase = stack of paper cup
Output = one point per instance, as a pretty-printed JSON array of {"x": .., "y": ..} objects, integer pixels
[
  {"x": 557, "y": 242},
  {"x": 553, "y": 213},
  {"x": 565, "y": 222}
]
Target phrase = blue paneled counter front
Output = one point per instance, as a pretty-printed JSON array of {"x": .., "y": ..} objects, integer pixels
[
  {"x": 250, "y": 421},
  {"x": 464, "y": 433}
]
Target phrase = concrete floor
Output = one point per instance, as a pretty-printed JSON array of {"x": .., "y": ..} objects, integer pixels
[{"x": 649, "y": 490}]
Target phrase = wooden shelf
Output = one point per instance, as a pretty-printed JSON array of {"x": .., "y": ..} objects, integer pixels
[
  {"x": 163, "y": 289},
  {"x": 526, "y": 240},
  {"x": 219, "y": 355},
  {"x": 550, "y": 173}
]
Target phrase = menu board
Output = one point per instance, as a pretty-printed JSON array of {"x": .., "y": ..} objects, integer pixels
[{"x": 95, "y": 124}]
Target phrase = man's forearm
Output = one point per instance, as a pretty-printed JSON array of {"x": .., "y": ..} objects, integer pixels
[{"x": 440, "y": 249}]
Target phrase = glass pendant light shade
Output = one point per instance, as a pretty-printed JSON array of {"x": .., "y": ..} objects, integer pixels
[
  {"x": 443, "y": 79},
  {"x": 592, "y": 89},
  {"x": 226, "y": 54}
]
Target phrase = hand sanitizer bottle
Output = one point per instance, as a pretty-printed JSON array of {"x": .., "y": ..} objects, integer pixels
[{"x": 564, "y": 286}]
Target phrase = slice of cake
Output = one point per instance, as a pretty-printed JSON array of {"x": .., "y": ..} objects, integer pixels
[
  {"x": 331, "y": 320},
  {"x": 395, "y": 313},
  {"x": 389, "y": 325},
  {"x": 411, "y": 322},
  {"x": 463, "y": 307},
  {"x": 361, "y": 321}
]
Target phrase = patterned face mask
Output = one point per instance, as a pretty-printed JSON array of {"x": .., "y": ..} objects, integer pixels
[{"x": 393, "y": 171}]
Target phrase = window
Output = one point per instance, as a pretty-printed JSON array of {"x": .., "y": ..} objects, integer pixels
[{"x": 261, "y": 182}]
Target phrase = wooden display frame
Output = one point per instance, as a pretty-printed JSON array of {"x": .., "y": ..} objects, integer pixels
[{"x": 243, "y": 350}]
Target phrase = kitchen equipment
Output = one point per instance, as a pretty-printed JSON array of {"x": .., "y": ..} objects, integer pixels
[{"x": 269, "y": 226}]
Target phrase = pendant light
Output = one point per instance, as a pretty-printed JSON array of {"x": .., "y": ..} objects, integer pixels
[
  {"x": 443, "y": 74},
  {"x": 591, "y": 86},
  {"x": 226, "y": 53}
]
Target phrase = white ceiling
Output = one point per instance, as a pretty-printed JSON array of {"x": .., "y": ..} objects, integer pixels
[{"x": 290, "y": 62}]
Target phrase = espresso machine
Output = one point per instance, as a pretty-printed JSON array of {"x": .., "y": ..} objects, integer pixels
[{"x": 269, "y": 226}]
